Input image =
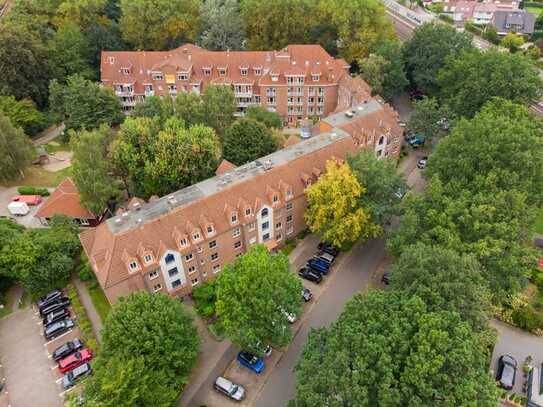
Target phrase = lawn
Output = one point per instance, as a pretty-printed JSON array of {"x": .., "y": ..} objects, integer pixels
[
  {"x": 36, "y": 176},
  {"x": 54, "y": 146},
  {"x": 99, "y": 300},
  {"x": 538, "y": 225},
  {"x": 534, "y": 10}
]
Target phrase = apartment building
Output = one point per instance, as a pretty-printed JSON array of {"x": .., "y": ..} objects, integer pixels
[
  {"x": 298, "y": 82},
  {"x": 174, "y": 243}
]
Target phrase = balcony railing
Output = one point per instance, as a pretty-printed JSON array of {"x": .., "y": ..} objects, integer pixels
[{"x": 124, "y": 92}]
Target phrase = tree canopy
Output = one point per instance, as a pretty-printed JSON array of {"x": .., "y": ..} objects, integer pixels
[
  {"x": 426, "y": 53},
  {"x": 264, "y": 116},
  {"x": 472, "y": 78},
  {"x": 23, "y": 113},
  {"x": 221, "y": 25},
  {"x": 334, "y": 211},
  {"x": 381, "y": 183},
  {"x": 389, "y": 349},
  {"x": 254, "y": 293},
  {"x": 15, "y": 150},
  {"x": 426, "y": 117},
  {"x": 143, "y": 330},
  {"x": 246, "y": 140}
]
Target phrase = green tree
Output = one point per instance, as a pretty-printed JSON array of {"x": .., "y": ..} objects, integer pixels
[
  {"x": 15, "y": 150},
  {"x": 145, "y": 330},
  {"x": 445, "y": 281},
  {"x": 9, "y": 231},
  {"x": 24, "y": 64},
  {"x": 222, "y": 26},
  {"x": 246, "y": 140},
  {"x": 394, "y": 81},
  {"x": 334, "y": 211},
  {"x": 381, "y": 183},
  {"x": 501, "y": 147},
  {"x": 512, "y": 41},
  {"x": 264, "y": 116},
  {"x": 83, "y": 13},
  {"x": 159, "y": 24},
  {"x": 69, "y": 53},
  {"x": 23, "y": 113},
  {"x": 388, "y": 349},
  {"x": 425, "y": 54},
  {"x": 91, "y": 169},
  {"x": 468, "y": 81},
  {"x": 372, "y": 70},
  {"x": 151, "y": 107},
  {"x": 104, "y": 35},
  {"x": 491, "y": 34},
  {"x": 426, "y": 117},
  {"x": 533, "y": 53},
  {"x": 249, "y": 319},
  {"x": 219, "y": 107},
  {"x": 82, "y": 104}
]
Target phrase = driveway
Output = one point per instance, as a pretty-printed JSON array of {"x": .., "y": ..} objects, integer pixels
[
  {"x": 28, "y": 220},
  {"x": 30, "y": 380},
  {"x": 356, "y": 272},
  {"x": 519, "y": 344}
]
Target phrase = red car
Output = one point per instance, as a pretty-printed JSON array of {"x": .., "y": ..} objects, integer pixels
[
  {"x": 74, "y": 360},
  {"x": 28, "y": 199}
]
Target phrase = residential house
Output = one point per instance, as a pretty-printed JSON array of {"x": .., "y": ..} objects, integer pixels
[{"x": 520, "y": 22}]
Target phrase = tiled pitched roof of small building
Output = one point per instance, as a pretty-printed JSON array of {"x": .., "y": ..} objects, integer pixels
[
  {"x": 65, "y": 200},
  {"x": 224, "y": 166}
]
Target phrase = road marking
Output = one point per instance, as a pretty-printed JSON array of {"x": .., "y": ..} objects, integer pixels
[
  {"x": 65, "y": 391},
  {"x": 59, "y": 380},
  {"x": 54, "y": 367},
  {"x": 58, "y": 337}
]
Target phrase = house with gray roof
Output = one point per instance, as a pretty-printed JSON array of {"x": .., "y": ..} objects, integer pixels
[{"x": 519, "y": 21}]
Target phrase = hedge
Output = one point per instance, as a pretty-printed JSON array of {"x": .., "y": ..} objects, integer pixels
[
  {"x": 82, "y": 320},
  {"x": 33, "y": 191},
  {"x": 532, "y": 4}
]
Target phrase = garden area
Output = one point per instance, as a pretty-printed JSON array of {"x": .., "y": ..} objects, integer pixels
[
  {"x": 99, "y": 300},
  {"x": 204, "y": 297}
]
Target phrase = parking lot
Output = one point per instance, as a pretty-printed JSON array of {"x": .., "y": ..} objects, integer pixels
[
  {"x": 32, "y": 376},
  {"x": 28, "y": 220}
]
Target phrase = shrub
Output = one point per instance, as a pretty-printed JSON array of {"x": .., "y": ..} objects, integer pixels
[
  {"x": 527, "y": 318},
  {"x": 204, "y": 297},
  {"x": 25, "y": 190},
  {"x": 84, "y": 271}
]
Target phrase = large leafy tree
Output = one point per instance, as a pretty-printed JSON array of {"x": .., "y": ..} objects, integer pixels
[
  {"x": 91, "y": 169},
  {"x": 426, "y": 117},
  {"x": 24, "y": 64},
  {"x": 388, "y": 349},
  {"x": 264, "y": 116},
  {"x": 159, "y": 24},
  {"x": 103, "y": 35},
  {"x": 381, "y": 183},
  {"x": 246, "y": 140},
  {"x": 445, "y": 281},
  {"x": 425, "y": 54},
  {"x": 219, "y": 107},
  {"x": 469, "y": 80},
  {"x": 9, "y": 231},
  {"x": 252, "y": 321},
  {"x": 144, "y": 330},
  {"x": 221, "y": 25},
  {"x": 83, "y": 104},
  {"x": 23, "y": 113},
  {"x": 500, "y": 146},
  {"x": 372, "y": 70},
  {"x": 394, "y": 78},
  {"x": 334, "y": 211},
  {"x": 15, "y": 150}
]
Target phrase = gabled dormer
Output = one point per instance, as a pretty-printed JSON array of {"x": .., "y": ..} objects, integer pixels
[
  {"x": 306, "y": 179},
  {"x": 145, "y": 254},
  {"x": 245, "y": 209},
  {"x": 181, "y": 239},
  {"x": 207, "y": 226},
  {"x": 131, "y": 262},
  {"x": 316, "y": 172},
  {"x": 231, "y": 214},
  {"x": 286, "y": 190},
  {"x": 273, "y": 196},
  {"x": 195, "y": 234}
]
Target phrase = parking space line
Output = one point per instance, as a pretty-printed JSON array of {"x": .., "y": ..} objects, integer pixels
[
  {"x": 54, "y": 367},
  {"x": 65, "y": 391},
  {"x": 54, "y": 339},
  {"x": 58, "y": 380}
]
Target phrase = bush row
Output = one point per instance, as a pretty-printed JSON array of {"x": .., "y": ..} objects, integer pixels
[
  {"x": 25, "y": 190},
  {"x": 82, "y": 319}
]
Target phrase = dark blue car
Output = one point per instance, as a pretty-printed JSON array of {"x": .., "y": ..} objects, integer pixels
[
  {"x": 317, "y": 264},
  {"x": 251, "y": 361}
]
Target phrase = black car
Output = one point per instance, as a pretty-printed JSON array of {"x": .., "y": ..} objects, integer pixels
[
  {"x": 67, "y": 349},
  {"x": 306, "y": 294},
  {"x": 507, "y": 370},
  {"x": 49, "y": 298},
  {"x": 386, "y": 278},
  {"x": 328, "y": 248},
  {"x": 57, "y": 328},
  {"x": 55, "y": 316},
  {"x": 70, "y": 378},
  {"x": 59, "y": 303},
  {"x": 310, "y": 274}
]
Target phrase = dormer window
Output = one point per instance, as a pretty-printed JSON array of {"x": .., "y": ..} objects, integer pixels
[
  {"x": 157, "y": 76},
  {"x": 247, "y": 211},
  {"x": 125, "y": 71},
  {"x": 147, "y": 258},
  {"x": 315, "y": 77},
  {"x": 183, "y": 242},
  {"x": 234, "y": 218},
  {"x": 207, "y": 71},
  {"x": 258, "y": 71},
  {"x": 170, "y": 258},
  {"x": 264, "y": 212},
  {"x": 209, "y": 229},
  {"x": 290, "y": 194},
  {"x": 275, "y": 78},
  {"x": 222, "y": 71},
  {"x": 244, "y": 71},
  {"x": 133, "y": 265},
  {"x": 196, "y": 236},
  {"x": 111, "y": 60},
  {"x": 275, "y": 199},
  {"x": 182, "y": 76}
]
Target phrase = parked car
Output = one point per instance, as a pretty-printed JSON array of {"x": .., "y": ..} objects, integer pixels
[
  {"x": 310, "y": 274},
  {"x": 67, "y": 349},
  {"x": 229, "y": 389},
  {"x": 328, "y": 258},
  {"x": 306, "y": 294},
  {"x": 328, "y": 248},
  {"x": 251, "y": 361},
  {"x": 49, "y": 298},
  {"x": 421, "y": 164},
  {"x": 74, "y": 360},
  {"x": 415, "y": 140},
  {"x": 28, "y": 199},
  {"x": 55, "y": 316},
  {"x": 386, "y": 278},
  {"x": 70, "y": 379},
  {"x": 57, "y": 328},
  {"x": 319, "y": 265},
  {"x": 507, "y": 370},
  {"x": 57, "y": 304}
]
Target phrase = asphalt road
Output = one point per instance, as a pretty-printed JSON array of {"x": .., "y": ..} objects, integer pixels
[{"x": 354, "y": 274}]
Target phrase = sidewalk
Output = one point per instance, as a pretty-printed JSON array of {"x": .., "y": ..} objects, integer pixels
[{"x": 86, "y": 301}]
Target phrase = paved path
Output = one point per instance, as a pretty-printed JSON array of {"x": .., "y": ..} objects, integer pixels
[
  {"x": 86, "y": 301},
  {"x": 48, "y": 134},
  {"x": 29, "y": 378}
]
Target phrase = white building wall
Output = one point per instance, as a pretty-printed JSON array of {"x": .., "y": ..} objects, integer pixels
[{"x": 177, "y": 263}]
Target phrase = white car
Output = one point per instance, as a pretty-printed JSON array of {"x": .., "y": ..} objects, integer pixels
[{"x": 229, "y": 389}]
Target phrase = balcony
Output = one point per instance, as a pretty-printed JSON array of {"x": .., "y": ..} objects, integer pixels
[
  {"x": 149, "y": 93},
  {"x": 246, "y": 94},
  {"x": 125, "y": 92}
]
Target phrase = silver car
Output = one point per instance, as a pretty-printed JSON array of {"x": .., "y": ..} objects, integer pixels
[{"x": 229, "y": 389}]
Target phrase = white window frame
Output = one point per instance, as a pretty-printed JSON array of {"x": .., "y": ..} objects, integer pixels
[
  {"x": 216, "y": 258},
  {"x": 196, "y": 236},
  {"x": 233, "y": 218},
  {"x": 183, "y": 242},
  {"x": 290, "y": 205},
  {"x": 237, "y": 245},
  {"x": 191, "y": 269},
  {"x": 251, "y": 226},
  {"x": 236, "y": 232},
  {"x": 148, "y": 259},
  {"x": 290, "y": 230},
  {"x": 157, "y": 287},
  {"x": 291, "y": 219},
  {"x": 214, "y": 242},
  {"x": 133, "y": 265},
  {"x": 153, "y": 274},
  {"x": 189, "y": 257},
  {"x": 216, "y": 268}
]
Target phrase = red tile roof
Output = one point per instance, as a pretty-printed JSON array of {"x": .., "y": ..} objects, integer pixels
[
  {"x": 65, "y": 200},
  {"x": 224, "y": 166}
]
